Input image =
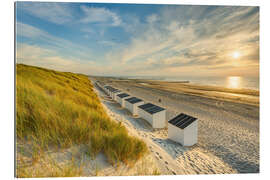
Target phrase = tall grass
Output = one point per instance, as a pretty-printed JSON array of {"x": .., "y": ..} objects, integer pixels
[{"x": 60, "y": 109}]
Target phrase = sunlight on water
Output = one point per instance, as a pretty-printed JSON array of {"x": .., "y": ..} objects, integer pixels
[{"x": 234, "y": 81}]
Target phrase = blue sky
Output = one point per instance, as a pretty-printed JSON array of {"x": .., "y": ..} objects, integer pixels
[{"x": 134, "y": 39}]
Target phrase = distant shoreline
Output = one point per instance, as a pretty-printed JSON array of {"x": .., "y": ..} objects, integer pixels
[
  {"x": 246, "y": 96},
  {"x": 211, "y": 83}
]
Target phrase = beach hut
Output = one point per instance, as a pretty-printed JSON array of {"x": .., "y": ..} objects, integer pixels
[
  {"x": 110, "y": 89},
  {"x": 113, "y": 90},
  {"x": 183, "y": 129},
  {"x": 120, "y": 98},
  {"x": 155, "y": 115},
  {"x": 132, "y": 104},
  {"x": 114, "y": 93},
  {"x": 106, "y": 89}
]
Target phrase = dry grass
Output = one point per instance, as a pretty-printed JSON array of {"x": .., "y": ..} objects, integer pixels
[
  {"x": 50, "y": 169},
  {"x": 60, "y": 109}
]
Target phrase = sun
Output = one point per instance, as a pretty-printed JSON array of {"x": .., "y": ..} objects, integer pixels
[{"x": 236, "y": 55}]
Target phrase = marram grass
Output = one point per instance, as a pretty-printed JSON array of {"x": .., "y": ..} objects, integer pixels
[{"x": 60, "y": 109}]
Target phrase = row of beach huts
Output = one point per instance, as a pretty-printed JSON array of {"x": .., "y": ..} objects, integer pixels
[{"x": 182, "y": 128}]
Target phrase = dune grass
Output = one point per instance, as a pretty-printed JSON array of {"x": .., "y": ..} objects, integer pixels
[
  {"x": 50, "y": 169},
  {"x": 60, "y": 109}
]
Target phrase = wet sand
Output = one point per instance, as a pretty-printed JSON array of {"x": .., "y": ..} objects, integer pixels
[{"x": 228, "y": 123}]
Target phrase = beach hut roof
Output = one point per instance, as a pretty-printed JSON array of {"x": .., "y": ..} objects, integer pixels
[
  {"x": 111, "y": 88},
  {"x": 151, "y": 108},
  {"x": 182, "y": 120},
  {"x": 133, "y": 100},
  {"x": 122, "y": 95},
  {"x": 116, "y": 90}
]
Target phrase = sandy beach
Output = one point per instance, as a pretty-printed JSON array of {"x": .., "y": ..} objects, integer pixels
[
  {"x": 228, "y": 133},
  {"x": 136, "y": 89}
]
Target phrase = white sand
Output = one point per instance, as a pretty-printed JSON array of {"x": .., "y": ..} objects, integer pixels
[
  {"x": 228, "y": 132},
  {"x": 172, "y": 158},
  {"x": 77, "y": 158}
]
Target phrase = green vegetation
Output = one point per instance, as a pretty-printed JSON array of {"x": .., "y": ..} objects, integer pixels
[{"x": 60, "y": 109}]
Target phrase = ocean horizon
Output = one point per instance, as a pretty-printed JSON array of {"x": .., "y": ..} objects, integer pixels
[{"x": 236, "y": 82}]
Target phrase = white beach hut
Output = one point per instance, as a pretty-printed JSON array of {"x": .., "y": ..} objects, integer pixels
[
  {"x": 183, "y": 129},
  {"x": 110, "y": 90},
  {"x": 132, "y": 104},
  {"x": 106, "y": 88},
  {"x": 114, "y": 93},
  {"x": 155, "y": 115},
  {"x": 120, "y": 98}
]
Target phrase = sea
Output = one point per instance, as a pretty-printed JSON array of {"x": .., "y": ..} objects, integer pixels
[{"x": 236, "y": 82}]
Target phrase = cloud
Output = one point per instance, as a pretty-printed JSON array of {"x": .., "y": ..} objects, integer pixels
[
  {"x": 30, "y": 53},
  {"x": 58, "y": 13},
  {"x": 144, "y": 45},
  {"x": 100, "y": 15},
  {"x": 107, "y": 43},
  {"x": 28, "y": 31},
  {"x": 152, "y": 18},
  {"x": 62, "y": 46},
  {"x": 88, "y": 30},
  {"x": 42, "y": 57},
  {"x": 65, "y": 14},
  {"x": 193, "y": 37},
  {"x": 172, "y": 40}
]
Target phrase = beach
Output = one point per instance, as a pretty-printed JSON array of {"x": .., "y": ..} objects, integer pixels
[{"x": 228, "y": 131}]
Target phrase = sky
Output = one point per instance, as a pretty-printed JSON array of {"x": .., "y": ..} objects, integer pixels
[{"x": 139, "y": 40}]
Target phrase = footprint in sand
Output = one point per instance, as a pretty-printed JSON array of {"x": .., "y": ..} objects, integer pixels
[
  {"x": 166, "y": 162},
  {"x": 168, "y": 168}
]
